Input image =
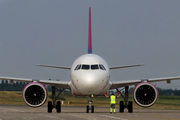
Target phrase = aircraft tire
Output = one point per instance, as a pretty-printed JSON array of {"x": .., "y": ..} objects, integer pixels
[
  {"x": 49, "y": 107},
  {"x": 121, "y": 106},
  {"x": 130, "y": 107},
  {"x": 58, "y": 107},
  {"x": 87, "y": 109},
  {"x": 92, "y": 111}
]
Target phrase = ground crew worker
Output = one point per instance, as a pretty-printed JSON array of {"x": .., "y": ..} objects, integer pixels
[{"x": 113, "y": 101}]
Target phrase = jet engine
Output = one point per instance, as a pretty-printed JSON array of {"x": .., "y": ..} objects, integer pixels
[
  {"x": 34, "y": 94},
  {"x": 145, "y": 94}
]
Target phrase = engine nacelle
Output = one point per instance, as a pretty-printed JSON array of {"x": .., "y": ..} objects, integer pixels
[
  {"x": 145, "y": 94},
  {"x": 34, "y": 94}
]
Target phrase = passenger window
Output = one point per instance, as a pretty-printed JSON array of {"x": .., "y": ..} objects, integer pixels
[
  {"x": 94, "y": 67},
  {"x": 85, "y": 67}
]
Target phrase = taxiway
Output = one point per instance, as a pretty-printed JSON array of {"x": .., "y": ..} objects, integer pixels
[{"x": 22, "y": 112}]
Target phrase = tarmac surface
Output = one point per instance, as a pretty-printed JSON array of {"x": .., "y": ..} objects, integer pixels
[{"x": 22, "y": 112}]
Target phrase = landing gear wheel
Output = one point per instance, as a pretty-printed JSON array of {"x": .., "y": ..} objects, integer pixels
[
  {"x": 121, "y": 106},
  {"x": 58, "y": 107},
  {"x": 130, "y": 107},
  {"x": 50, "y": 107},
  {"x": 92, "y": 109},
  {"x": 87, "y": 109}
]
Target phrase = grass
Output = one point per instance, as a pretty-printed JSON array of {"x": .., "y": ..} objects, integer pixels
[{"x": 15, "y": 98}]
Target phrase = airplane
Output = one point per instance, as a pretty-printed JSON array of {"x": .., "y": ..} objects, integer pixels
[{"x": 90, "y": 77}]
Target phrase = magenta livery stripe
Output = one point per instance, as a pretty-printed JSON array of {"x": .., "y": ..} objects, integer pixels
[{"x": 90, "y": 47}]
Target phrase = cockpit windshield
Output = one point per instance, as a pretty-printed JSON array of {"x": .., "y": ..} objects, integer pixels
[
  {"x": 94, "y": 67},
  {"x": 85, "y": 67},
  {"x": 91, "y": 67}
]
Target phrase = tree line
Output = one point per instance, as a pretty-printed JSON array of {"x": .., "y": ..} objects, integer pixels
[{"x": 17, "y": 86}]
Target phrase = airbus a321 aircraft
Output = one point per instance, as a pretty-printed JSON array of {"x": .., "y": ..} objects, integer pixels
[{"x": 90, "y": 76}]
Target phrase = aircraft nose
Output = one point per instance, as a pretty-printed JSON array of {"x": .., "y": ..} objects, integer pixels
[
  {"x": 89, "y": 80},
  {"x": 91, "y": 83}
]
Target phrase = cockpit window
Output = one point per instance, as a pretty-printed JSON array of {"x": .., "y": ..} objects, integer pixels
[
  {"x": 85, "y": 67},
  {"x": 94, "y": 67},
  {"x": 77, "y": 67},
  {"x": 102, "y": 67}
]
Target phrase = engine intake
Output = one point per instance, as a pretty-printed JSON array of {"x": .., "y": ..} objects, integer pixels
[
  {"x": 34, "y": 94},
  {"x": 145, "y": 94}
]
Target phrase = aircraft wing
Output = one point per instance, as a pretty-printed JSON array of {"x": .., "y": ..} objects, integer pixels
[
  {"x": 119, "y": 84},
  {"x": 53, "y": 66},
  {"x": 60, "y": 84},
  {"x": 111, "y": 68}
]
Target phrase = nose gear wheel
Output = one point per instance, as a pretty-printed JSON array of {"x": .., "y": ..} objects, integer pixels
[{"x": 90, "y": 106}]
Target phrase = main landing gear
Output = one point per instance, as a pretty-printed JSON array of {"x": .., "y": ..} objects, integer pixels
[
  {"x": 52, "y": 104},
  {"x": 125, "y": 104},
  {"x": 90, "y": 106}
]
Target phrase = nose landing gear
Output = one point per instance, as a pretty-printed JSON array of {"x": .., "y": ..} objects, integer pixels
[{"x": 90, "y": 106}]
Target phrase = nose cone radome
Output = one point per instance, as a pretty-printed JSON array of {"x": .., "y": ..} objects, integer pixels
[
  {"x": 91, "y": 83},
  {"x": 89, "y": 80}
]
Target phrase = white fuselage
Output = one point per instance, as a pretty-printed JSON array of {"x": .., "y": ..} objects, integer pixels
[{"x": 90, "y": 76}]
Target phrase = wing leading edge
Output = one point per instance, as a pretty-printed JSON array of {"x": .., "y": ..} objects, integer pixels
[
  {"x": 52, "y": 66},
  {"x": 119, "y": 84},
  {"x": 111, "y": 68}
]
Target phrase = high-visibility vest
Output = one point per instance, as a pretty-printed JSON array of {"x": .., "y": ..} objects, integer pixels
[{"x": 113, "y": 99}]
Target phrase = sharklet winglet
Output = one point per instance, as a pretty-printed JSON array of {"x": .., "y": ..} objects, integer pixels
[{"x": 89, "y": 42}]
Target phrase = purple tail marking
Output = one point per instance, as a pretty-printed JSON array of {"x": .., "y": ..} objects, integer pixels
[{"x": 90, "y": 43}]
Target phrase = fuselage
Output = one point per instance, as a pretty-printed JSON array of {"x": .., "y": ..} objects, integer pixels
[{"x": 90, "y": 75}]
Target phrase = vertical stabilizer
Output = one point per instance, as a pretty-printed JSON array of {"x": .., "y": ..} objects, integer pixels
[{"x": 89, "y": 42}]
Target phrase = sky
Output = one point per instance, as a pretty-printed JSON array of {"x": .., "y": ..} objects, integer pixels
[{"x": 124, "y": 32}]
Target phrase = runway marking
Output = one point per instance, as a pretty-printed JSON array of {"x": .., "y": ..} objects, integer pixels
[
  {"x": 27, "y": 118},
  {"x": 50, "y": 116},
  {"x": 113, "y": 117},
  {"x": 163, "y": 117},
  {"x": 86, "y": 116},
  {"x": 13, "y": 110}
]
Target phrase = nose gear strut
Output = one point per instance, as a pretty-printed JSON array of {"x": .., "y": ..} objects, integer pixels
[
  {"x": 52, "y": 104},
  {"x": 128, "y": 104},
  {"x": 90, "y": 106}
]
